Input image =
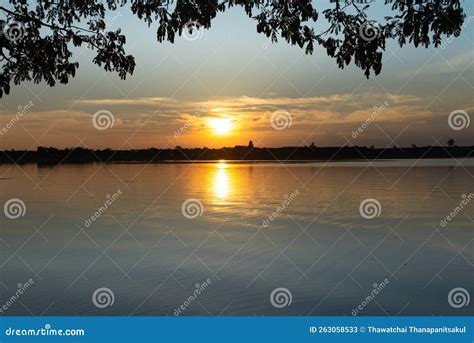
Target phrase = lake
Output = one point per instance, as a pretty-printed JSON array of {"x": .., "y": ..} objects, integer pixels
[{"x": 222, "y": 238}]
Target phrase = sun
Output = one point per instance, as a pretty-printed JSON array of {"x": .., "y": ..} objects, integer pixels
[{"x": 221, "y": 126}]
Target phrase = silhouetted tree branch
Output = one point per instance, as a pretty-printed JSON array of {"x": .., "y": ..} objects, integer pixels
[{"x": 38, "y": 36}]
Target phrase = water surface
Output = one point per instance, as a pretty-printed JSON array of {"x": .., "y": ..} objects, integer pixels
[{"x": 317, "y": 244}]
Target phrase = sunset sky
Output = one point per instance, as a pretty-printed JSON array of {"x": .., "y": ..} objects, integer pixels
[{"x": 223, "y": 88}]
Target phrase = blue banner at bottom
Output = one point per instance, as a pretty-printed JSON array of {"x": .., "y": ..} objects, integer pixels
[{"x": 237, "y": 329}]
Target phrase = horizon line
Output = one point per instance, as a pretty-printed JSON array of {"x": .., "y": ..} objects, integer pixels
[{"x": 244, "y": 146}]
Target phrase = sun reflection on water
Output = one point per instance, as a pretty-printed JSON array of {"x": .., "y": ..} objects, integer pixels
[{"x": 222, "y": 187}]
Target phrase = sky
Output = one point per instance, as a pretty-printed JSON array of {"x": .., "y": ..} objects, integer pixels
[{"x": 224, "y": 88}]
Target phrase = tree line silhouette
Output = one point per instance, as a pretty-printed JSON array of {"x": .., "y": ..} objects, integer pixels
[{"x": 53, "y": 156}]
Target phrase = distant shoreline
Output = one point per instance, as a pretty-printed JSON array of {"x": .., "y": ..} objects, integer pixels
[{"x": 53, "y": 156}]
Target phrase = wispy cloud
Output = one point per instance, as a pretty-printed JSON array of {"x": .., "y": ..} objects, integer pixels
[{"x": 144, "y": 122}]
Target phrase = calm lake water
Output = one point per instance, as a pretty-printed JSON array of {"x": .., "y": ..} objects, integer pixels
[{"x": 262, "y": 227}]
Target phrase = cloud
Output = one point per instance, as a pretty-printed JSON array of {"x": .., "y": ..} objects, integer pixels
[
  {"x": 448, "y": 67},
  {"x": 136, "y": 101},
  {"x": 144, "y": 122}
]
